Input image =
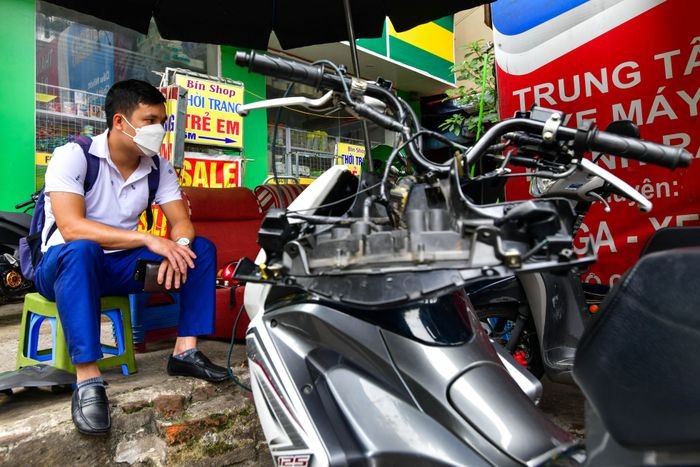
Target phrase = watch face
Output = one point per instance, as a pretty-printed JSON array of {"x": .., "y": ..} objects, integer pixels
[{"x": 183, "y": 241}]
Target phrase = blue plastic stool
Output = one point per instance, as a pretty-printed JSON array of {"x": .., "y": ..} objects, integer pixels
[{"x": 154, "y": 321}]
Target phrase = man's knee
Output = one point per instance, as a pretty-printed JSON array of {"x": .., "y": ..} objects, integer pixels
[
  {"x": 204, "y": 248},
  {"x": 85, "y": 250}
]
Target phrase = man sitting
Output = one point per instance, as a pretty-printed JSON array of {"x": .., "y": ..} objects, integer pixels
[{"x": 91, "y": 244}]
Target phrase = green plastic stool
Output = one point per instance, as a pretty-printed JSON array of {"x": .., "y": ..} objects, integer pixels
[{"x": 37, "y": 309}]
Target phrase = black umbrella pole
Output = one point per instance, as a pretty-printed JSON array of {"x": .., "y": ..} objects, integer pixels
[{"x": 356, "y": 67}]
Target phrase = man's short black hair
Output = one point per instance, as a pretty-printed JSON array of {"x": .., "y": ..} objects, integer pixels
[{"x": 125, "y": 96}]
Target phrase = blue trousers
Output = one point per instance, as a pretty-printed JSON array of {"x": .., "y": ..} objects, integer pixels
[{"x": 76, "y": 274}]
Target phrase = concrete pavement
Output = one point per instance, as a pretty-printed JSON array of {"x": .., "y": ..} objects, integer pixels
[
  {"x": 156, "y": 419},
  {"x": 162, "y": 420}
]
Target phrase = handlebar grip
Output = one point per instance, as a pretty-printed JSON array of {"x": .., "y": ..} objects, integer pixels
[
  {"x": 636, "y": 149},
  {"x": 24, "y": 204},
  {"x": 313, "y": 75}
]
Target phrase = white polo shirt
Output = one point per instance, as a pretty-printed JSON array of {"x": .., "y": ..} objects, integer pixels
[{"x": 112, "y": 200}]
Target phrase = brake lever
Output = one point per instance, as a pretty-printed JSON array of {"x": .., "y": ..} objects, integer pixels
[
  {"x": 619, "y": 184},
  {"x": 286, "y": 102}
]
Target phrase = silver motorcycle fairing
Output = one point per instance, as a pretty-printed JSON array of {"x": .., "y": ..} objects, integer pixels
[
  {"x": 559, "y": 312},
  {"x": 288, "y": 430},
  {"x": 471, "y": 381},
  {"x": 355, "y": 381}
]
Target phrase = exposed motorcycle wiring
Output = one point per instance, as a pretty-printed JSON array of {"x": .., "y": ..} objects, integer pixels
[{"x": 231, "y": 375}]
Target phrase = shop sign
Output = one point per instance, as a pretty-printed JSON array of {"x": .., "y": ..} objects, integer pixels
[
  {"x": 202, "y": 171},
  {"x": 167, "y": 150},
  {"x": 212, "y": 117},
  {"x": 86, "y": 60},
  {"x": 603, "y": 61},
  {"x": 199, "y": 172},
  {"x": 350, "y": 155},
  {"x": 160, "y": 224}
]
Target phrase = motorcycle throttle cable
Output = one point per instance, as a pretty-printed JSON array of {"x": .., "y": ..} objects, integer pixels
[{"x": 394, "y": 153}]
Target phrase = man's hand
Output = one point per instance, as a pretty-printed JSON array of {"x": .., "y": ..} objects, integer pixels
[
  {"x": 177, "y": 257},
  {"x": 169, "y": 277}
]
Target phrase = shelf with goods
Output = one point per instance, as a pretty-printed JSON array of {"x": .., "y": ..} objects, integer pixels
[
  {"x": 305, "y": 154},
  {"x": 63, "y": 114}
]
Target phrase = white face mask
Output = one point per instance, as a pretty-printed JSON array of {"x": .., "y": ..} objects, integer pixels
[{"x": 148, "y": 138}]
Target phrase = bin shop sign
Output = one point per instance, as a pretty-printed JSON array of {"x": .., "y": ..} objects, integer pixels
[
  {"x": 606, "y": 60},
  {"x": 350, "y": 155},
  {"x": 198, "y": 171},
  {"x": 212, "y": 117}
]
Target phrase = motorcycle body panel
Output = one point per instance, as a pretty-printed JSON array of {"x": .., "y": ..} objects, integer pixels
[
  {"x": 558, "y": 308},
  {"x": 403, "y": 388}
]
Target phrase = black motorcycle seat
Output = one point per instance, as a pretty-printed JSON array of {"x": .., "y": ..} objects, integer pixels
[
  {"x": 672, "y": 237},
  {"x": 16, "y": 219},
  {"x": 638, "y": 362}
]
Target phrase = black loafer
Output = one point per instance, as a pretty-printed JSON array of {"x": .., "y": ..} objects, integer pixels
[
  {"x": 90, "y": 410},
  {"x": 197, "y": 365}
]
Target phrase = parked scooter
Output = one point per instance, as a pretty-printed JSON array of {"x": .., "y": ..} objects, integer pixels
[
  {"x": 540, "y": 317},
  {"x": 13, "y": 226},
  {"x": 363, "y": 347}
]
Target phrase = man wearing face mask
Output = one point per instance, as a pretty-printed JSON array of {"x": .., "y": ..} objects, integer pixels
[{"x": 91, "y": 244}]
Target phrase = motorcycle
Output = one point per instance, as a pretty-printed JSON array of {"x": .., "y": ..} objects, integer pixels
[
  {"x": 13, "y": 226},
  {"x": 363, "y": 347},
  {"x": 540, "y": 317}
]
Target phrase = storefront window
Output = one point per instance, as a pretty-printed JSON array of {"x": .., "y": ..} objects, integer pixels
[
  {"x": 308, "y": 142},
  {"x": 78, "y": 58}
]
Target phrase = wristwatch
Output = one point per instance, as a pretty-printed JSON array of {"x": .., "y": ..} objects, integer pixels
[{"x": 184, "y": 241}]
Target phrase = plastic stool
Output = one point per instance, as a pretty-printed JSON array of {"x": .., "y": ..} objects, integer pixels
[{"x": 37, "y": 309}]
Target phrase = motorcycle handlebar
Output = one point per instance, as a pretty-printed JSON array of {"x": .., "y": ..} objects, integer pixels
[
  {"x": 24, "y": 204},
  {"x": 644, "y": 151},
  {"x": 313, "y": 75},
  {"x": 592, "y": 140}
]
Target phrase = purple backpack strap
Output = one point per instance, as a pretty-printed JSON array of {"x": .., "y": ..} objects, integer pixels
[{"x": 93, "y": 162}]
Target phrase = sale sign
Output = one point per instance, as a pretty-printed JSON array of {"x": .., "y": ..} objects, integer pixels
[
  {"x": 211, "y": 172},
  {"x": 212, "y": 112},
  {"x": 200, "y": 172},
  {"x": 606, "y": 60}
]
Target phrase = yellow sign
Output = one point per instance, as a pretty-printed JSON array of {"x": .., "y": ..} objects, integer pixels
[
  {"x": 160, "y": 224},
  {"x": 171, "y": 98},
  {"x": 200, "y": 172},
  {"x": 352, "y": 156},
  {"x": 42, "y": 158},
  {"x": 212, "y": 117},
  {"x": 211, "y": 173},
  {"x": 430, "y": 37}
]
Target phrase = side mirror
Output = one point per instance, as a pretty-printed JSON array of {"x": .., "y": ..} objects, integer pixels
[{"x": 624, "y": 128}]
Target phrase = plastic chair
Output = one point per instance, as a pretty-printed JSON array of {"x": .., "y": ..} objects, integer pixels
[
  {"x": 37, "y": 309},
  {"x": 154, "y": 317}
]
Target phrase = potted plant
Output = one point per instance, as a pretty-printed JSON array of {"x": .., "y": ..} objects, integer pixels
[{"x": 475, "y": 94}]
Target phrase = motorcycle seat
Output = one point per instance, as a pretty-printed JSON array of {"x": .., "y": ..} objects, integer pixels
[{"x": 637, "y": 362}]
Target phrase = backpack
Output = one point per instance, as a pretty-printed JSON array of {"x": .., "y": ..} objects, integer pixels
[{"x": 30, "y": 246}]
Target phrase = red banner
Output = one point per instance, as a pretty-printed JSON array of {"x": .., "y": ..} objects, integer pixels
[
  {"x": 201, "y": 172},
  {"x": 605, "y": 61}
]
